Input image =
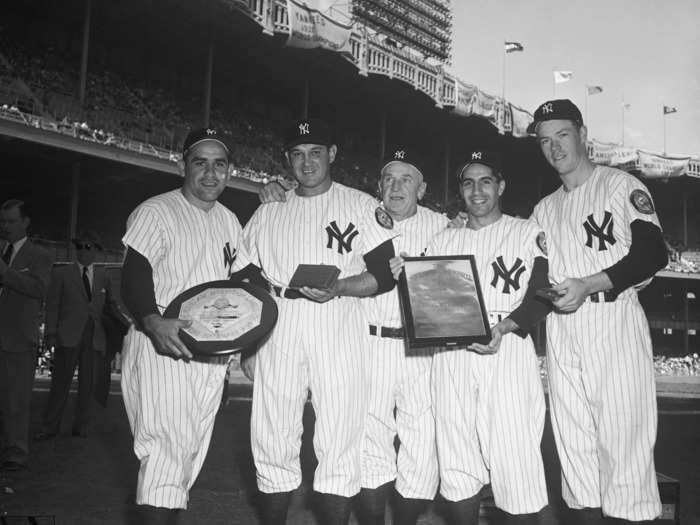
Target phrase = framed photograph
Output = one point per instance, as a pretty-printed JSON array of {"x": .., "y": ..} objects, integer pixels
[{"x": 441, "y": 302}]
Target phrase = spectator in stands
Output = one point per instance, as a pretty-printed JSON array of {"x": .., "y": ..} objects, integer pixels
[
  {"x": 25, "y": 269},
  {"x": 79, "y": 296}
]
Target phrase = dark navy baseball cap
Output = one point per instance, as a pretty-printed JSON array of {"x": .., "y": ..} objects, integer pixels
[
  {"x": 489, "y": 158},
  {"x": 560, "y": 109},
  {"x": 196, "y": 136},
  {"x": 308, "y": 131},
  {"x": 400, "y": 153}
]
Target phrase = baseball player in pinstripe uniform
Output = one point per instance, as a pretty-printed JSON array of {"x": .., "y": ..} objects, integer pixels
[
  {"x": 317, "y": 342},
  {"x": 399, "y": 378},
  {"x": 604, "y": 241},
  {"x": 175, "y": 241},
  {"x": 488, "y": 399}
]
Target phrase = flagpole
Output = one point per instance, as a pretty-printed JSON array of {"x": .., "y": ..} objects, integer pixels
[
  {"x": 663, "y": 112},
  {"x": 585, "y": 111},
  {"x": 503, "y": 90},
  {"x": 554, "y": 86},
  {"x": 623, "y": 119}
]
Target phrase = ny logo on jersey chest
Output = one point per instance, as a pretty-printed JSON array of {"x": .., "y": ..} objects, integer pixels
[
  {"x": 229, "y": 257},
  {"x": 344, "y": 239},
  {"x": 510, "y": 276},
  {"x": 603, "y": 231}
]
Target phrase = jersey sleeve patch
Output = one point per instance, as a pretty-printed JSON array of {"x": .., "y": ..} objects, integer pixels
[
  {"x": 642, "y": 202},
  {"x": 383, "y": 218},
  {"x": 542, "y": 242}
]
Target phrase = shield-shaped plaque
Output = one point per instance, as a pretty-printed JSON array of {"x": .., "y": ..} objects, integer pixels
[{"x": 226, "y": 316}]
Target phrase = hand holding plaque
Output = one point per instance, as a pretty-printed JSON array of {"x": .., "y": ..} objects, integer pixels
[{"x": 225, "y": 316}]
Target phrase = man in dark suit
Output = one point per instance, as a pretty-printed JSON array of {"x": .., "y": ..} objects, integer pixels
[
  {"x": 25, "y": 270},
  {"x": 79, "y": 295}
]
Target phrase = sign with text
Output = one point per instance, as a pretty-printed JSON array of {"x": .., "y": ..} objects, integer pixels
[
  {"x": 658, "y": 166},
  {"x": 312, "y": 24}
]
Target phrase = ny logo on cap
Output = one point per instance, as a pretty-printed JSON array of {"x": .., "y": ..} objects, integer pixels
[
  {"x": 211, "y": 132},
  {"x": 400, "y": 154},
  {"x": 476, "y": 155},
  {"x": 547, "y": 108},
  {"x": 304, "y": 128}
]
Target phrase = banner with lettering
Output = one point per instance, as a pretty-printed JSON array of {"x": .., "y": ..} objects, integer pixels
[
  {"x": 623, "y": 156},
  {"x": 466, "y": 93},
  {"x": 658, "y": 166},
  {"x": 485, "y": 106},
  {"x": 314, "y": 24},
  {"x": 521, "y": 120},
  {"x": 603, "y": 152}
]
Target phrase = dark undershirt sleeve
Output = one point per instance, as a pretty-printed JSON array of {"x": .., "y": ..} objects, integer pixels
[
  {"x": 647, "y": 256},
  {"x": 377, "y": 261},
  {"x": 533, "y": 308},
  {"x": 137, "y": 286}
]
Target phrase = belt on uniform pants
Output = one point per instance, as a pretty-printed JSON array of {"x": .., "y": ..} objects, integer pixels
[
  {"x": 603, "y": 297},
  {"x": 387, "y": 331},
  {"x": 287, "y": 293}
]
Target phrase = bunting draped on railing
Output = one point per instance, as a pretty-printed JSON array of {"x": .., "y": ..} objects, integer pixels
[
  {"x": 649, "y": 165},
  {"x": 372, "y": 56}
]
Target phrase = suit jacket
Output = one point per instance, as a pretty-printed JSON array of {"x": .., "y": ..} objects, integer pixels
[
  {"x": 23, "y": 290},
  {"x": 68, "y": 308}
]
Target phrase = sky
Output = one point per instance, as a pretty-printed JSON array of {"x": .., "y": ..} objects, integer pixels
[{"x": 645, "y": 50}]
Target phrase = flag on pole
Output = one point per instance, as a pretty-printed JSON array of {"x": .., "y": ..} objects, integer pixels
[
  {"x": 512, "y": 47},
  {"x": 626, "y": 106},
  {"x": 669, "y": 109},
  {"x": 562, "y": 76},
  {"x": 594, "y": 90}
]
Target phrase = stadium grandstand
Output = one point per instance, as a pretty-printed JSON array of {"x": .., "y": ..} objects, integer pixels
[
  {"x": 424, "y": 26},
  {"x": 96, "y": 98}
]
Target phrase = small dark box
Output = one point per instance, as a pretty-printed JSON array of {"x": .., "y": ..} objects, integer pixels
[{"x": 320, "y": 276}]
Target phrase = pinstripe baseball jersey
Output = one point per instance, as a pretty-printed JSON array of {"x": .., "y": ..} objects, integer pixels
[
  {"x": 489, "y": 409},
  {"x": 185, "y": 245},
  {"x": 314, "y": 346},
  {"x": 171, "y": 404},
  {"x": 588, "y": 228},
  {"x": 504, "y": 253},
  {"x": 336, "y": 227},
  {"x": 399, "y": 390},
  {"x": 599, "y": 358},
  {"x": 414, "y": 234}
]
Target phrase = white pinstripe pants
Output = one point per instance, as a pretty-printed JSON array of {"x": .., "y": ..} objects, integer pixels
[
  {"x": 399, "y": 378},
  {"x": 171, "y": 406},
  {"x": 317, "y": 347},
  {"x": 489, "y": 414},
  {"x": 603, "y": 408}
]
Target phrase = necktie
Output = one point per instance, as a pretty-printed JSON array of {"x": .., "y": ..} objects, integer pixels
[
  {"x": 86, "y": 283},
  {"x": 8, "y": 253}
]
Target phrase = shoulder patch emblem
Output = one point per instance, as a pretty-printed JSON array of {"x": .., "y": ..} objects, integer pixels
[
  {"x": 542, "y": 242},
  {"x": 642, "y": 202},
  {"x": 383, "y": 218}
]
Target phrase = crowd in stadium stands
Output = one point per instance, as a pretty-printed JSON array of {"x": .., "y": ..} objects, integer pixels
[{"x": 40, "y": 91}]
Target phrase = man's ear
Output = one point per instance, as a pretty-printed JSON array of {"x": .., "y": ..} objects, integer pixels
[
  {"x": 501, "y": 187},
  {"x": 181, "y": 166},
  {"x": 332, "y": 150},
  {"x": 583, "y": 133},
  {"x": 421, "y": 190}
]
